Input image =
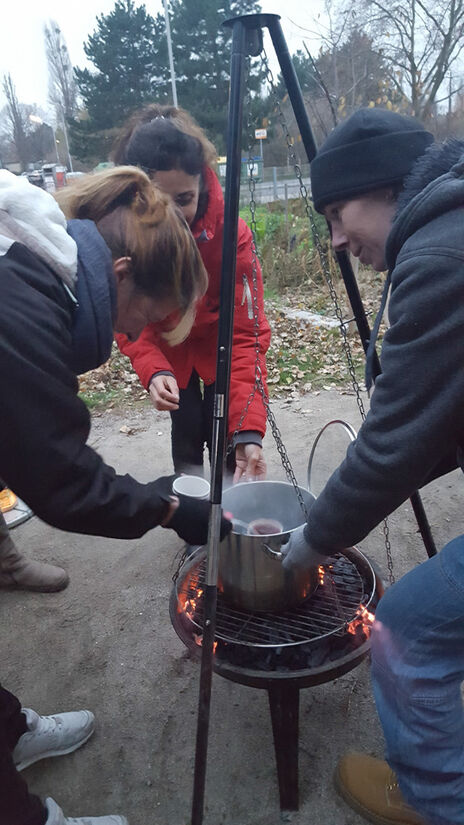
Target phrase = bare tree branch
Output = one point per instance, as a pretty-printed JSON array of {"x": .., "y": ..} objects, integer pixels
[
  {"x": 17, "y": 118},
  {"x": 322, "y": 84},
  {"x": 62, "y": 86},
  {"x": 422, "y": 38},
  {"x": 451, "y": 94}
]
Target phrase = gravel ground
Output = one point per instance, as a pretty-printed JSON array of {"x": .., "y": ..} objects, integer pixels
[{"x": 107, "y": 643}]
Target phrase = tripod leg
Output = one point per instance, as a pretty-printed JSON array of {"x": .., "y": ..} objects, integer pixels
[{"x": 284, "y": 701}]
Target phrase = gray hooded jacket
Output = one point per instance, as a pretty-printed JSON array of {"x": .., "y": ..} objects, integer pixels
[{"x": 416, "y": 420}]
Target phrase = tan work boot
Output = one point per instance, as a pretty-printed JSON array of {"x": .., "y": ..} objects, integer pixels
[
  {"x": 370, "y": 787},
  {"x": 19, "y": 573},
  {"x": 8, "y": 500}
]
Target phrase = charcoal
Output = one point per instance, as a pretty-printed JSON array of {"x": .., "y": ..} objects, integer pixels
[{"x": 323, "y": 618}]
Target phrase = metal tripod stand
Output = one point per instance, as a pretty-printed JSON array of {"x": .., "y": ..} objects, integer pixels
[{"x": 247, "y": 41}]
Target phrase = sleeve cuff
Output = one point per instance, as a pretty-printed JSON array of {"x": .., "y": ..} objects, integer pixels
[
  {"x": 319, "y": 551},
  {"x": 247, "y": 437},
  {"x": 160, "y": 372}
]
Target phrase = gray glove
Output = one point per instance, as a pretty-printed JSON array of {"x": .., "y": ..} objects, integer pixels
[{"x": 298, "y": 552}]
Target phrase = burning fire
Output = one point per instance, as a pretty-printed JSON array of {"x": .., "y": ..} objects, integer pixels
[
  {"x": 363, "y": 619},
  {"x": 189, "y": 606},
  {"x": 321, "y": 573},
  {"x": 199, "y": 641}
]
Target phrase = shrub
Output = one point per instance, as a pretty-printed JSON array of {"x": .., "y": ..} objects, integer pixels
[{"x": 285, "y": 245}]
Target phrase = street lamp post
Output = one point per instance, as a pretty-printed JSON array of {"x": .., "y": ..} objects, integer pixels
[
  {"x": 171, "y": 59},
  {"x": 65, "y": 133}
]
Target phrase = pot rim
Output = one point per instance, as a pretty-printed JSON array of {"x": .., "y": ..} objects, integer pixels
[{"x": 269, "y": 481}]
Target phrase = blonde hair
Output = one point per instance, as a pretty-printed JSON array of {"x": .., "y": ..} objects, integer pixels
[
  {"x": 140, "y": 222},
  {"x": 178, "y": 117}
]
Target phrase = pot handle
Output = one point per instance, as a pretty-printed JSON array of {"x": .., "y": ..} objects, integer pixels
[
  {"x": 273, "y": 554},
  {"x": 352, "y": 435}
]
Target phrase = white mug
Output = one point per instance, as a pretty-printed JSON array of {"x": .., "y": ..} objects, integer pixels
[{"x": 191, "y": 487}]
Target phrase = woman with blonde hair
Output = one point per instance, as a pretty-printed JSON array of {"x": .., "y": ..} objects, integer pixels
[
  {"x": 126, "y": 259},
  {"x": 167, "y": 143}
]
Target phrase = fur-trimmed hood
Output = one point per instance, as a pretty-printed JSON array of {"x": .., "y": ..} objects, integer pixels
[
  {"x": 434, "y": 187},
  {"x": 31, "y": 216},
  {"x": 77, "y": 255}
]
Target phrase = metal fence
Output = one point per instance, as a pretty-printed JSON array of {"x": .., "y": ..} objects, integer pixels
[{"x": 276, "y": 183}]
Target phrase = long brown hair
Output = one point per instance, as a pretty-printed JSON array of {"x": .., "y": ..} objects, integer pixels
[
  {"x": 140, "y": 222},
  {"x": 160, "y": 138},
  {"x": 175, "y": 116}
]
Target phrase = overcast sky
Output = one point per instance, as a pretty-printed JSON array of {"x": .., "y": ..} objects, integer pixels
[{"x": 22, "y": 49}]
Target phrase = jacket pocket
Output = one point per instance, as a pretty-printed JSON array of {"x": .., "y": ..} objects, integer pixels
[{"x": 247, "y": 296}]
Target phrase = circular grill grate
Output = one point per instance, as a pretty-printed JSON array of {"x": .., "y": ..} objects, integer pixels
[{"x": 328, "y": 611}]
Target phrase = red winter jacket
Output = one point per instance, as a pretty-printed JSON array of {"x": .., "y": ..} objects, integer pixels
[{"x": 151, "y": 354}]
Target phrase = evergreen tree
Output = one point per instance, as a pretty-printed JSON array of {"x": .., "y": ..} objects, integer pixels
[
  {"x": 129, "y": 52},
  {"x": 122, "y": 49},
  {"x": 305, "y": 72},
  {"x": 90, "y": 145},
  {"x": 201, "y": 49}
]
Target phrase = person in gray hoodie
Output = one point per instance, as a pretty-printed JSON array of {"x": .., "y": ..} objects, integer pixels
[
  {"x": 124, "y": 259},
  {"x": 396, "y": 202}
]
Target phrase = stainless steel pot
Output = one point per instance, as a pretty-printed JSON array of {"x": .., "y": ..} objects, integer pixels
[{"x": 251, "y": 575}]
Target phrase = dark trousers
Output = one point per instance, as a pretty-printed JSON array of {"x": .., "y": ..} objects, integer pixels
[
  {"x": 192, "y": 428},
  {"x": 17, "y": 805}
]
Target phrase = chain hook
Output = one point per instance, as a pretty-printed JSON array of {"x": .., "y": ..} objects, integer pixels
[{"x": 327, "y": 273}]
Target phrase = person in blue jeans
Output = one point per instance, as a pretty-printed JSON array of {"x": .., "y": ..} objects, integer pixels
[{"x": 395, "y": 200}]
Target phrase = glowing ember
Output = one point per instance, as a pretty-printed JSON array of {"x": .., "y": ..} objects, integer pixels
[
  {"x": 363, "y": 619},
  {"x": 199, "y": 641},
  {"x": 189, "y": 606}
]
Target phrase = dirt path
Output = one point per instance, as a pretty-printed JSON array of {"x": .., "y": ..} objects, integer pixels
[{"x": 107, "y": 643}]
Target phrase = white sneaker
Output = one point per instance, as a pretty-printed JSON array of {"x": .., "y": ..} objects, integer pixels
[
  {"x": 57, "y": 817},
  {"x": 52, "y": 736}
]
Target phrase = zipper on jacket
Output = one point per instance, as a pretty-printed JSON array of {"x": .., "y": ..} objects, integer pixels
[
  {"x": 70, "y": 295},
  {"x": 247, "y": 296}
]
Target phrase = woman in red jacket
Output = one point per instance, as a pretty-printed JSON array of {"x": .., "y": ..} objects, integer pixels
[{"x": 173, "y": 150}]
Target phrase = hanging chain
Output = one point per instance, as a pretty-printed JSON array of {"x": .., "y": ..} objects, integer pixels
[
  {"x": 258, "y": 380},
  {"x": 386, "y": 533},
  {"x": 186, "y": 552},
  {"x": 318, "y": 243},
  {"x": 327, "y": 273}
]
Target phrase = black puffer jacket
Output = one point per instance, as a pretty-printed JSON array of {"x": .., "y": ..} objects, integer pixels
[
  {"x": 44, "y": 426},
  {"x": 416, "y": 420}
]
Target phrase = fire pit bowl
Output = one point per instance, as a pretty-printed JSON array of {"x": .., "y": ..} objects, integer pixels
[
  {"x": 251, "y": 575},
  {"x": 300, "y": 647}
]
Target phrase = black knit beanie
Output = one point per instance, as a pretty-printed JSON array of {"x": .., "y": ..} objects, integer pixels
[{"x": 371, "y": 149}]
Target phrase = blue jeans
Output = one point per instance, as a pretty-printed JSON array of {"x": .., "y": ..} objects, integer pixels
[{"x": 417, "y": 671}]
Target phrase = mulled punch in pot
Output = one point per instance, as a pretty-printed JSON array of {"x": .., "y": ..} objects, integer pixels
[{"x": 251, "y": 575}]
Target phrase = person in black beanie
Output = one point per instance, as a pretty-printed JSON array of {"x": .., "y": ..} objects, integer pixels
[
  {"x": 374, "y": 148},
  {"x": 395, "y": 200}
]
